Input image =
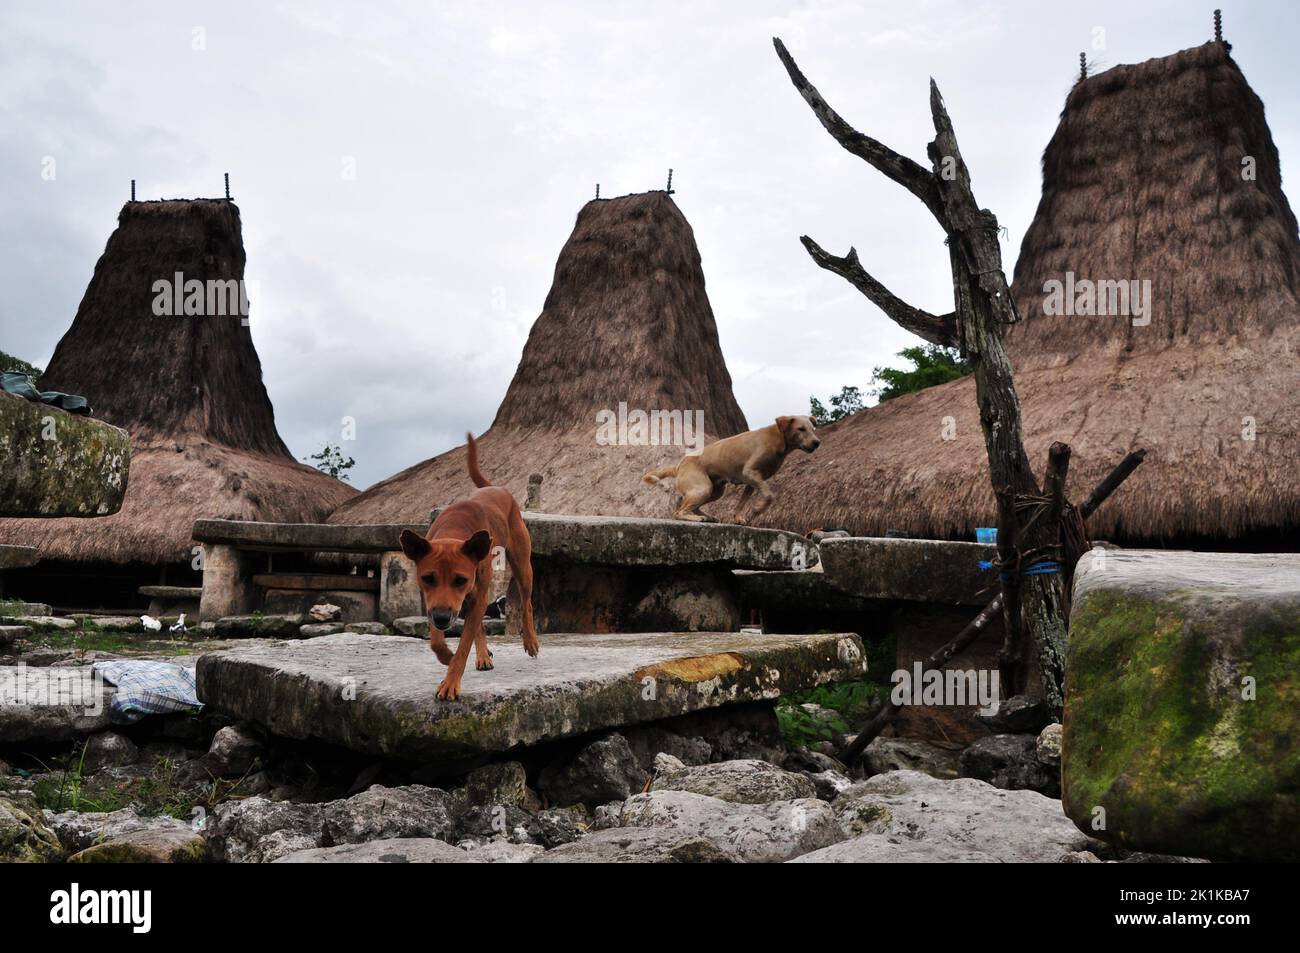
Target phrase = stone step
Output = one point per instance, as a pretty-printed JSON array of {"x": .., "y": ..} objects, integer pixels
[{"x": 376, "y": 694}]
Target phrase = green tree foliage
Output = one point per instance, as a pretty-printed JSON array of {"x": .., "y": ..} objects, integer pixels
[
  {"x": 16, "y": 364},
  {"x": 931, "y": 365},
  {"x": 330, "y": 460},
  {"x": 844, "y": 404}
]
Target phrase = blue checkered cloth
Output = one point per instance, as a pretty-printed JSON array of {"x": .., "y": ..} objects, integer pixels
[{"x": 148, "y": 688}]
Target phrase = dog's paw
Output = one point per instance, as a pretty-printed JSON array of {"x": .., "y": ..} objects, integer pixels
[
  {"x": 449, "y": 690},
  {"x": 531, "y": 646},
  {"x": 484, "y": 664}
]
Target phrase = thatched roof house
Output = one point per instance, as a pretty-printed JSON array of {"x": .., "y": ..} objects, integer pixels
[
  {"x": 1163, "y": 171},
  {"x": 187, "y": 388},
  {"x": 627, "y": 321}
]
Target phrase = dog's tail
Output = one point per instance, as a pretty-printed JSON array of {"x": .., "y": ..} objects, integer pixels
[
  {"x": 654, "y": 476},
  {"x": 471, "y": 452}
]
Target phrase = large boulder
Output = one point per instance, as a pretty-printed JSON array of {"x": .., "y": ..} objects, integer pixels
[
  {"x": 907, "y": 816},
  {"x": 741, "y": 782},
  {"x": 78, "y": 830},
  {"x": 258, "y": 830},
  {"x": 644, "y": 845},
  {"x": 1182, "y": 728},
  {"x": 754, "y": 833}
]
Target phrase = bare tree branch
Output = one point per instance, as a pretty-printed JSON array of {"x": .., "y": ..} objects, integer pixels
[
  {"x": 911, "y": 175},
  {"x": 937, "y": 329}
]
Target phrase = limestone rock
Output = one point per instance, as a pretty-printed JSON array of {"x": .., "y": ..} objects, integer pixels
[
  {"x": 108, "y": 749},
  {"x": 500, "y": 783},
  {"x": 648, "y": 845},
  {"x": 233, "y": 752},
  {"x": 367, "y": 628},
  {"x": 755, "y": 833},
  {"x": 908, "y": 816},
  {"x": 258, "y": 626},
  {"x": 907, "y": 754},
  {"x": 24, "y": 836},
  {"x": 1048, "y": 746},
  {"x": 174, "y": 845},
  {"x": 316, "y": 629},
  {"x": 396, "y": 850},
  {"x": 324, "y": 612},
  {"x": 78, "y": 830},
  {"x": 741, "y": 782}
]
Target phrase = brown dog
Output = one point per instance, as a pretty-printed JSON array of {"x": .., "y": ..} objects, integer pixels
[
  {"x": 454, "y": 568},
  {"x": 749, "y": 459}
]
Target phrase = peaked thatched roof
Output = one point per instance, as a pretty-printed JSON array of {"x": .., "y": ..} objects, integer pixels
[
  {"x": 187, "y": 388},
  {"x": 1143, "y": 179},
  {"x": 627, "y": 320}
]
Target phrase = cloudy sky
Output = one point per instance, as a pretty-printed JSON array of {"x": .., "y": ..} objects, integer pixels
[{"x": 477, "y": 130}]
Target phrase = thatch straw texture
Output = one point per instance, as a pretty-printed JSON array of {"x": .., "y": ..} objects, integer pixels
[
  {"x": 627, "y": 320},
  {"x": 1143, "y": 179},
  {"x": 188, "y": 389}
]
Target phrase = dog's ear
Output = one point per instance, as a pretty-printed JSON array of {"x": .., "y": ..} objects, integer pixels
[
  {"x": 783, "y": 425},
  {"x": 478, "y": 546},
  {"x": 414, "y": 545}
]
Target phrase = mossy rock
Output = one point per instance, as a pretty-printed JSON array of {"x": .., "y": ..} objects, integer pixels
[
  {"x": 1182, "y": 721},
  {"x": 24, "y": 838}
]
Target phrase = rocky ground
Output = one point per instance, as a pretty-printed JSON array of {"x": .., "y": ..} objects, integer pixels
[
  {"x": 720, "y": 786},
  {"x": 708, "y": 790}
]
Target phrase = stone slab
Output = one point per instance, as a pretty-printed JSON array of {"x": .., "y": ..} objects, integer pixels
[
  {"x": 375, "y": 694},
  {"x": 1181, "y": 720},
  {"x": 919, "y": 570},
  {"x": 51, "y": 704},
  {"x": 53, "y": 463},
  {"x": 606, "y": 540}
]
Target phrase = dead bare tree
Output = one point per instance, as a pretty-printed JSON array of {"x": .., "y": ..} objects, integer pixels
[{"x": 1029, "y": 525}]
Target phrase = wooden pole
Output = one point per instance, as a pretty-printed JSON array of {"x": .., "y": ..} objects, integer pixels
[{"x": 947, "y": 652}]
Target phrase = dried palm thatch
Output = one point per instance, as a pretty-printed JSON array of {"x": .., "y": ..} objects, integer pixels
[
  {"x": 627, "y": 320},
  {"x": 1143, "y": 179},
  {"x": 188, "y": 389}
]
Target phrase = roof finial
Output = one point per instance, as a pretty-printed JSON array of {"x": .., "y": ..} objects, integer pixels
[
  {"x": 1218, "y": 26},
  {"x": 133, "y": 190},
  {"x": 227, "y": 186},
  {"x": 597, "y": 191},
  {"x": 670, "y": 181},
  {"x": 1083, "y": 65}
]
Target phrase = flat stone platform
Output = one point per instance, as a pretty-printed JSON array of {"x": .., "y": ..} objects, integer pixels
[
  {"x": 918, "y": 570},
  {"x": 375, "y": 694}
]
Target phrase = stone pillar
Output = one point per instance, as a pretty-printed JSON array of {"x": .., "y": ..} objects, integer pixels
[
  {"x": 399, "y": 593},
  {"x": 227, "y": 583}
]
